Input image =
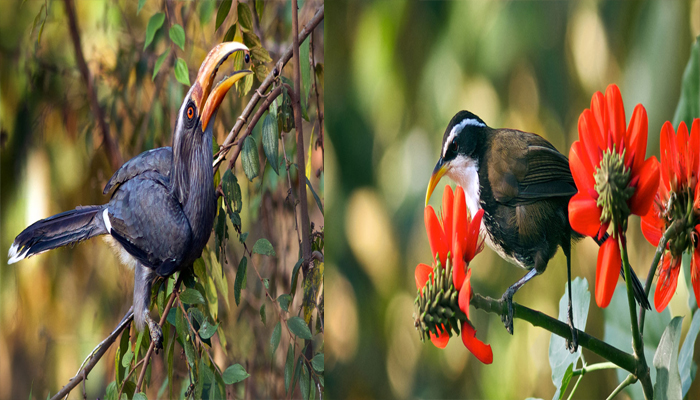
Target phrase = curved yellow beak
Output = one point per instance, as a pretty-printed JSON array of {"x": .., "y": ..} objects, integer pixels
[
  {"x": 206, "y": 99},
  {"x": 439, "y": 171}
]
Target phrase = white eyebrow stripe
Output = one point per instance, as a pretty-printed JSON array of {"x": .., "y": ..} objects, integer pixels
[{"x": 457, "y": 129}]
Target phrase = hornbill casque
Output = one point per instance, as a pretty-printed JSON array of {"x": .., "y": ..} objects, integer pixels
[
  {"x": 163, "y": 207},
  {"x": 523, "y": 184}
]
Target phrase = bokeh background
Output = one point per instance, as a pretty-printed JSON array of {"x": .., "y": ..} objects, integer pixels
[
  {"x": 56, "y": 307},
  {"x": 397, "y": 72}
]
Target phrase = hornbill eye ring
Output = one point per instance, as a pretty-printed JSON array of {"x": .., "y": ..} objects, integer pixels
[{"x": 190, "y": 112}]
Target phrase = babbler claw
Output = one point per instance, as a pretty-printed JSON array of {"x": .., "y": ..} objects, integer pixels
[{"x": 507, "y": 318}]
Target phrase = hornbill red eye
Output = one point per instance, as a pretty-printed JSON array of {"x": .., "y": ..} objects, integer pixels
[{"x": 190, "y": 112}]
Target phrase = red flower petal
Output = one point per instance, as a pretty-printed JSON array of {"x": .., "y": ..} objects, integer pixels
[
  {"x": 616, "y": 114},
  {"x": 465, "y": 293},
  {"x": 695, "y": 271},
  {"x": 440, "y": 341},
  {"x": 598, "y": 112},
  {"x": 474, "y": 243},
  {"x": 447, "y": 200},
  {"x": 652, "y": 226},
  {"x": 694, "y": 150},
  {"x": 682, "y": 139},
  {"x": 591, "y": 137},
  {"x": 436, "y": 236},
  {"x": 480, "y": 350},
  {"x": 458, "y": 265},
  {"x": 668, "y": 280},
  {"x": 646, "y": 187},
  {"x": 422, "y": 275},
  {"x": 607, "y": 271},
  {"x": 584, "y": 214},
  {"x": 637, "y": 134},
  {"x": 581, "y": 167}
]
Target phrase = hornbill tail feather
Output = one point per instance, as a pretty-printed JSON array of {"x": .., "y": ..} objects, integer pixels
[
  {"x": 62, "y": 229},
  {"x": 637, "y": 286}
]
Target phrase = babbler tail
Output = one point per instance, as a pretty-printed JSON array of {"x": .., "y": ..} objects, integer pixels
[
  {"x": 637, "y": 286},
  {"x": 69, "y": 227}
]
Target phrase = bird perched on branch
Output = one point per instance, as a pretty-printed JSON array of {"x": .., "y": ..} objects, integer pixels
[
  {"x": 523, "y": 184},
  {"x": 163, "y": 207}
]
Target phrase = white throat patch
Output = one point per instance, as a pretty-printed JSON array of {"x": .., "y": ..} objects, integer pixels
[
  {"x": 465, "y": 172},
  {"x": 456, "y": 131}
]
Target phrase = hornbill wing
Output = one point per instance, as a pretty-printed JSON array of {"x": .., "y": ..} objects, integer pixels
[
  {"x": 148, "y": 221},
  {"x": 159, "y": 160},
  {"x": 538, "y": 172}
]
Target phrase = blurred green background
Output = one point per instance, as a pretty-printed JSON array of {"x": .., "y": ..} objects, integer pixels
[
  {"x": 397, "y": 72},
  {"x": 56, "y": 307}
]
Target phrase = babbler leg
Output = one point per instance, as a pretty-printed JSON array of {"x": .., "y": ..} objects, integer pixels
[
  {"x": 507, "y": 318},
  {"x": 143, "y": 278},
  {"x": 572, "y": 345}
]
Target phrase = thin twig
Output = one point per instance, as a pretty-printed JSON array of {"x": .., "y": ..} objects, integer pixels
[
  {"x": 95, "y": 356},
  {"x": 319, "y": 114},
  {"x": 119, "y": 395},
  {"x": 628, "y": 381},
  {"x": 111, "y": 147},
  {"x": 310, "y": 26},
  {"x": 195, "y": 334}
]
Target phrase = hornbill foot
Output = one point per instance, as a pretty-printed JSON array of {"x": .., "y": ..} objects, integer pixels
[
  {"x": 156, "y": 333},
  {"x": 572, "y": 345},
  {"x": 507, "y": 317}
]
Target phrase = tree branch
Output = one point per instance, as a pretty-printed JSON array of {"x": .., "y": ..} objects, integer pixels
[
  {"x": 113, "y": 155},
  {"x": 625, "y": 360},
  {"x": 310, "y": 26},
  {"x": 93, "y": 358}
]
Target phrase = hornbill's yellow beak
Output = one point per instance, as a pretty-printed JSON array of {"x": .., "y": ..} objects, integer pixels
[
  {"x": 439, "y": 171},
  {"x": 206, "y": 99}
]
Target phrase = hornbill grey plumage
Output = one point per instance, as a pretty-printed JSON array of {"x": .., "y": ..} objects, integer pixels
[{"x": 163, "y": 207}]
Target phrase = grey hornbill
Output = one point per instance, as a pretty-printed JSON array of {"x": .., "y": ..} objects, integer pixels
[
  {"x": 524, "y": 185},
  {"x": 162, "y": 211}
]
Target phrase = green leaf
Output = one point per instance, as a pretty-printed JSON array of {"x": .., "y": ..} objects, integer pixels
[
  {"x": 141, "y": 4},
  {"x": 668, "y": 380},
  {"x": 284, "y": 301},
  {"x": 124, "y": 345},
  {"x": 140, "y": 396},
  {"x": 177, "y": 35},
  {"x": 304, "y": 383},
  {"x": 561, "y": 360},
  {"x": 221, "y": 283},
  {"x": 617, "y": 333},
  {"x": 297, "y": 371},
  {"x": 264, "y": 247},
  {"x": 275, "y": 338},
  {"x": 126, "y": 360},
  {"x": 245, "y": 17},
  {"x": 234, "y": 374},
  {"x": 685, "y": 358},
  {"x": 689, "y": 104},
  {"x": 190, "y": 353},
  {"x": 182, "y": 73},
  {"x": 154, "y": 23},
  {"x": 295, "y": 275},
  {"x": 240, "y": 282},
  {"x": 266, "y": 282},
  {"x": 305, "y": 69},
  {"x": 110, "y": 392},
  {"x": 224, "y": 8},
  {"x": 232, "y": 191},
  {"x": 263, "y": 318},
  {"x": 192, "y": 296},
  {"x": 230, "y": 33},
  {"x": 299, "y": 328},
  {"x": 207, "y": 330},
  {"x": 289, "y": 367},
  {"x": 249, "y": 158},
  {"x": 270, "y": 140},
  {"x": 317, "y": 362},
  {"x": 159, "y": 63},
  {"x": 313, "y": 192},
  {"x": 259, "y": 7}
]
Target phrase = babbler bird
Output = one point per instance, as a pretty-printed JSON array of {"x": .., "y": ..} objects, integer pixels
[
  {"x": 162, "y": 211},
  {"x": 524, "y": 185}
]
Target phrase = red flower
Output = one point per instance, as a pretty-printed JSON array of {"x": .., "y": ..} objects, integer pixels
[
  {"x": 677, "y": 198},
  {"x": 456, "y": 235},
  {"x": 613, "y": 179}
]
